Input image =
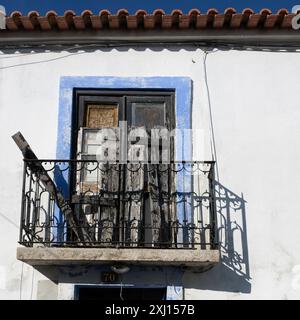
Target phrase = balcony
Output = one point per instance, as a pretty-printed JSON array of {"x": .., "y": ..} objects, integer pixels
[{"x": 85, "y": 211}]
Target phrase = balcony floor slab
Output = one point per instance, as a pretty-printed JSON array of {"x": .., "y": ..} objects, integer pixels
[{"x": 79, "y": 256}]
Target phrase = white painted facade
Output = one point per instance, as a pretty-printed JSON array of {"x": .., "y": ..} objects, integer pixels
[{"x": 253, "y": 109}]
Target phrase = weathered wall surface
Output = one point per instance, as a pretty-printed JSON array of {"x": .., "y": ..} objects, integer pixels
[{"x": 254, "y": 112}]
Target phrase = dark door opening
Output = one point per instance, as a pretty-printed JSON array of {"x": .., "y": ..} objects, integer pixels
[{"x": 104, "y": 294}]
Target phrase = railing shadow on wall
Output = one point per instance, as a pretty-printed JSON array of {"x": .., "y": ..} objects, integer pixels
[{"x": 232, "y": 274}]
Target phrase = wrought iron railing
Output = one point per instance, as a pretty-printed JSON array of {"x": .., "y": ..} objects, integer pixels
[{"x": 136, "y": 205}]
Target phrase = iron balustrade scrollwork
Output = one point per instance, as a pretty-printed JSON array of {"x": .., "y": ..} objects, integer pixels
[{"x": 131, "y": 205}]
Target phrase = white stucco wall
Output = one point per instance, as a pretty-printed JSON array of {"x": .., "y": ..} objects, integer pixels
[{"x": 255, "y": 117}]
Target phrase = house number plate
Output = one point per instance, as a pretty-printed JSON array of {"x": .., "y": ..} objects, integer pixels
[{"x": 109, "y": 277}]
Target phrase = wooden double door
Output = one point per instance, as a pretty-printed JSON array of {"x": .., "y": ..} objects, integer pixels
[{"x": 132, "y": 203}]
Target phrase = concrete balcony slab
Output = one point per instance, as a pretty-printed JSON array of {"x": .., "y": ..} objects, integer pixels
[{"x": 78, "y": 256}]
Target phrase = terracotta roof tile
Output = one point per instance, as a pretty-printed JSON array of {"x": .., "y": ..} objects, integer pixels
[
  {"x": 96, "y": 22},
  {"x": 287, "y": 21},
  {"x": 184, "y": 21},
  {"x": 26, "y": 22},
  {"x": 253, "y": 20},
  {"x": 10, "y": 24},
  {"x": 33, "y": 16},
  {"x": 86, "y": 18},
  {"x": 236, "y": 20},
  {"x": 167, "y": 21},
  {"x": 43, "y": 22},
  {"x": 149, "y": 21},
  {"x": 271, "y": 21},
  {"x": 16, "y": 20},
  {"x": 193, "y": 14},
  {"x": 230, "y": 18},
  {"x": 212, "y": 14},
  {"x": 201, "y": 21},
  {"x": 51, "y": 17},
  {"x": 132, "y": 22}
]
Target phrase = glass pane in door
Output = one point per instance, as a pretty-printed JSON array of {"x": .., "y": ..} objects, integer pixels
[{"x": 148, "y": 114}]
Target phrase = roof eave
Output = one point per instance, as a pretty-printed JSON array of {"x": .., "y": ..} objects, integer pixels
[{"x": 280, "y": 37}]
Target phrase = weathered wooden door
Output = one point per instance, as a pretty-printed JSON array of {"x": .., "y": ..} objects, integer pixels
[
  {"x": 129, "y": 203},
  {"x": 98, "y": 182},
  {"x": 154, "y": 115}
]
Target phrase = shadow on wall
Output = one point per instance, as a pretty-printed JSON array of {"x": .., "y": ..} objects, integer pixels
[{"x": 232, "y": 274}]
